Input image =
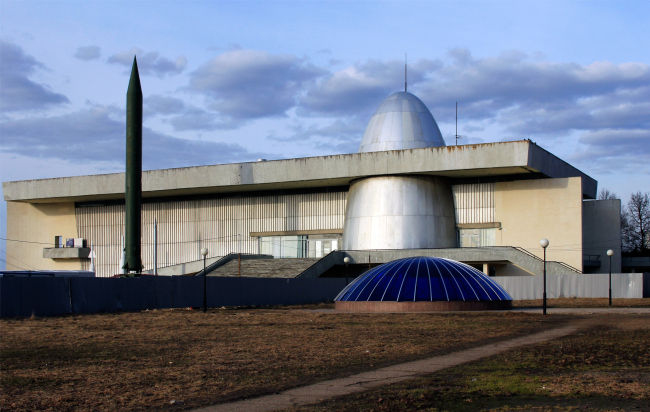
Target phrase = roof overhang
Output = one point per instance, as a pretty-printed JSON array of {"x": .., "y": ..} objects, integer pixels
[{"x": 465, "y": 161}]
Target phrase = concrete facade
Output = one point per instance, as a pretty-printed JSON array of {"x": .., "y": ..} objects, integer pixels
[
  {"x": 601, "y": 222},
  {"x": 38, "y": 224},
  {"x": 530, "y": 210},
  {"x": 511, "y": 193},
  {"x": 466, "y": 161},
  {"x": 223, "y": 225}
]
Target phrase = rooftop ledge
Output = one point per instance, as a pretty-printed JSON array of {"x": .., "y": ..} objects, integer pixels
[
  {"x": 66, "y": 252},
  {"x": 464, "y": 161}
]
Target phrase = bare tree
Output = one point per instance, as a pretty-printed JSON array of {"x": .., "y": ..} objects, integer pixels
[
  {"x": 635, "y": 223},
  {"x": 605, "y": 194}
]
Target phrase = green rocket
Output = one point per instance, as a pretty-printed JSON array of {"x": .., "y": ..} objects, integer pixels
[{"x": 133, "y": 190}]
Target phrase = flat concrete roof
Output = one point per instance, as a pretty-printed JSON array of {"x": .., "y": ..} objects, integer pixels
[{"x": 465, "y": 161}]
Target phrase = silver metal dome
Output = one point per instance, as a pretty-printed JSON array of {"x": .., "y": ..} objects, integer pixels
[{"x": 402, "y": 121}]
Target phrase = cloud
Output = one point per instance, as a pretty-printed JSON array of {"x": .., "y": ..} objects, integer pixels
[
  {"x": 524, "y": 95},
  {"x": 194, "y": 118},
  {"x": 609, "y": 150},
  {"x": 532, "y": 96},
  {"x": 86, "y": 135},
  {"x": 150, "y": 63},
  {"x": 184, "y": 117},
  {"x": 614, "y": 143},
  {"x": 98, "y": 134},
  {"x": 343, "y": 129},
  {"x": 88, "y": 53},
  {"x": 162, "y": 105},
  {"x": 249, "y": 84},
  {"x": 341, "y": 135},
  {"x": 512, "y": 93},
  {"x": 359, "y": 89},
  {"x": 18, "y": 92}
]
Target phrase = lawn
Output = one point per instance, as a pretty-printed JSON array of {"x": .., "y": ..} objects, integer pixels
[
  {"x": 606, "y": 368},
  {"x": 140, "y": 361}
]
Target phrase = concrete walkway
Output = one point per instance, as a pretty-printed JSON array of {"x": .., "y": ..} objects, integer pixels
[{"x": 385, "y": 376}]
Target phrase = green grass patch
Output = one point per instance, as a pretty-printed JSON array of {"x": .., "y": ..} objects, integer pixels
[{"x": 602, "y": 369}]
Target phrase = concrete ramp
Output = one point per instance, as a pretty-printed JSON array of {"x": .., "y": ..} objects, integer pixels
[{"x": 509, "y": 261}]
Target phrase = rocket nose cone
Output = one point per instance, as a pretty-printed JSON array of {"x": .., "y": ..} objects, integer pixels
[{"x": 134, "y": 81}]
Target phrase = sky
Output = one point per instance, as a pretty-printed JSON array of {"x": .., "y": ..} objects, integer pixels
[{"x": 237, "y": 81}]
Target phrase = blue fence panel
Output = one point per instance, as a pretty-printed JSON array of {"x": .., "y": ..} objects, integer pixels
[
  {"x": 93, "y": 295},
  {"x": 254, "y": 291},
  {"x": 49, "y": 296},
  {"x": 26, "y": 296},
  {"x": 55, "y": 296},
  {"x": 187, "y": 291},
  {"x": 163, "y": 292},
  {"x": 131, "y": 294},
  {"x": 10, "y": 297},
  {"x": 149, "y": 292}
]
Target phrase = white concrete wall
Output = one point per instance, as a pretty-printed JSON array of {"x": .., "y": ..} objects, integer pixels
[{"x": 624, "y": 285}]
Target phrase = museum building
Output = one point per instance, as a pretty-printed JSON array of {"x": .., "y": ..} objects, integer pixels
[{"x": 405, "y": 190}]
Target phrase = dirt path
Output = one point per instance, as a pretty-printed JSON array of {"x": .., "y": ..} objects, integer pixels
[{"x": 392, "y": 374}]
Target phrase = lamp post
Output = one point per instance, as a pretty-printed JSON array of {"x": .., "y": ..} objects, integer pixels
[
  {"x": 610, "y": 253},
  {"x": 346, "y": 260},
  {"x": 204, "y": 252},
  {"x": 544, "y": 244}
]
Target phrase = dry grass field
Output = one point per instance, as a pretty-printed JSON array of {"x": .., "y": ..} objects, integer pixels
[
  {"x": 146, "y": 360},
  {"x": 143, "y": 361},
  {"x": 606, "y": 368}
]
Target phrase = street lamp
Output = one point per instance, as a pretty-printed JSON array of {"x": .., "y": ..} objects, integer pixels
[
  {"x": 544, "y": 244},
  {"x": 204, "y": 252},
  {"x": 346, "y": 260},
  {"x": 610, "y": 253}
]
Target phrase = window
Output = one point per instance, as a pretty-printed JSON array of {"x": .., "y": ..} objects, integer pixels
[
  {"x": 283, "y": 246},
  {"x": 321, "y": 245},
  {"x": 477, "y": 237},
  {"x": 313, "y": 246}
]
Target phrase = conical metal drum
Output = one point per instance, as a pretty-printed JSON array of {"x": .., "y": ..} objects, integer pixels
[{"x": 399, "y": 212}]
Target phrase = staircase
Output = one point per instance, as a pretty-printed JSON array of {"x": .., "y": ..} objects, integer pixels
[{"x": 264, "y": 268}]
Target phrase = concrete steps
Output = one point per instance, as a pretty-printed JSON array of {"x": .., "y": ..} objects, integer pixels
[{"x": 265, "y": 268}]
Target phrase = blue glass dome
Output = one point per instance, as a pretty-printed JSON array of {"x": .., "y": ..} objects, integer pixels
[{"x": 423, "y": 279}]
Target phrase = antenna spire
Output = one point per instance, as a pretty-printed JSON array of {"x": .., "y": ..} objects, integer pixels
[
  {"x": 457, "y": 136},
  {"x": 405, "y": 73}
]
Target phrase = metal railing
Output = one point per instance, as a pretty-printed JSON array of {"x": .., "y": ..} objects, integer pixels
[
  {"x": 331, "y": 255},
  {"x": 591, "y": 258}
]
